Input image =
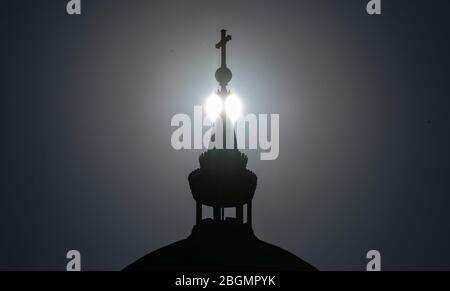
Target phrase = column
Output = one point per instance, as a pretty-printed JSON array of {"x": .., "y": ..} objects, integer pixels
[
  {"x": 240, "y": 214},
  {"x": 198, "y": 215},
  {"x": 216, "y": 214},
  {"x": 249, "y": 213}
]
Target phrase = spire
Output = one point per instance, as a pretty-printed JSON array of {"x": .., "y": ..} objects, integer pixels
[{"x": 223, "y": 180}]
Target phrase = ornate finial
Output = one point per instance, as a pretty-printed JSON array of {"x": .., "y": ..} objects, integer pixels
[{"x": 223, "y": 74}]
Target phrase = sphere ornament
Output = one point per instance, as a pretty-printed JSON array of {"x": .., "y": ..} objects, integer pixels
[{"x": 223, "y": 76}]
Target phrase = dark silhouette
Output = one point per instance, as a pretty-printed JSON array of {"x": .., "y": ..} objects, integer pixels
[
  {"x": 223, "y": 74},
  {"x": 222, "y": 243},
  {"x": 227, "y": 245}
]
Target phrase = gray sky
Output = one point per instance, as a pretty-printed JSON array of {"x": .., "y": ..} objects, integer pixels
[{"x": 364, "y": 127}]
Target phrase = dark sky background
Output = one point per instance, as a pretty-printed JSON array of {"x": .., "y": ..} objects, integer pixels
[{"x": 86, "y": 104}]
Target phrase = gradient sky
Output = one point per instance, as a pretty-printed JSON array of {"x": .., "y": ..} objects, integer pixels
[{"x": 86, "y": 161}]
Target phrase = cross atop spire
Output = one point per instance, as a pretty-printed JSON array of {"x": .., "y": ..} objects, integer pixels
[
  {"x": 223, "y": 74},
  {"x": 223, "y": 46}
]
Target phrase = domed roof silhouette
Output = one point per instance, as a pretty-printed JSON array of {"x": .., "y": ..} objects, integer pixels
[{"x": 227, "y": 245}]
